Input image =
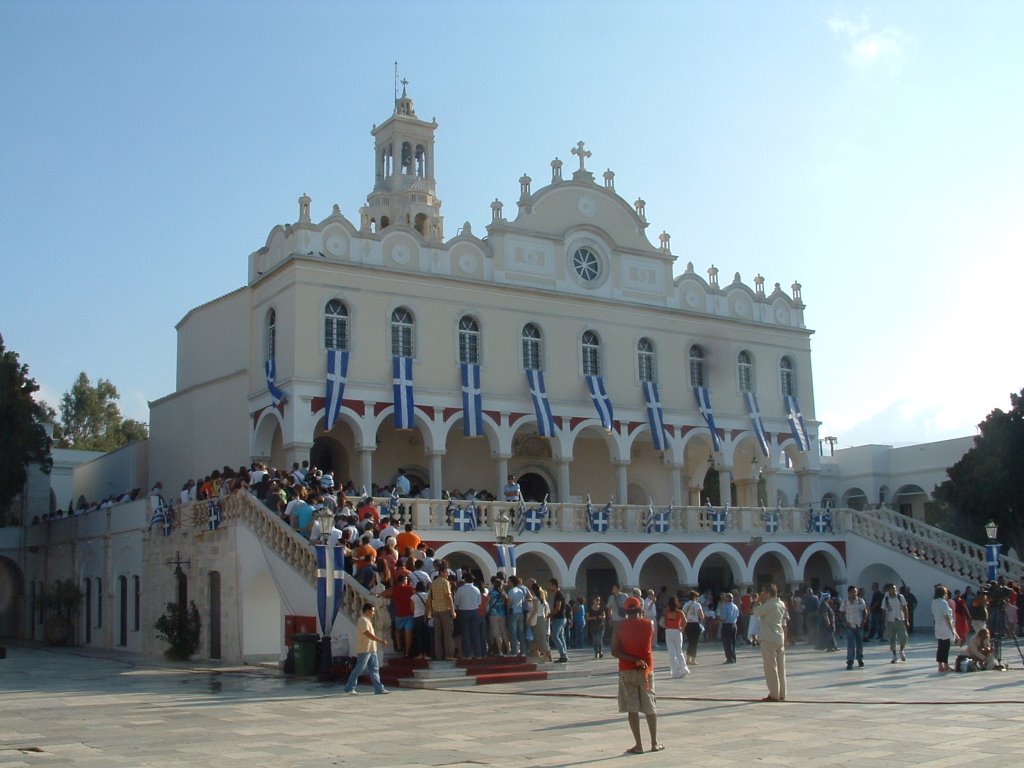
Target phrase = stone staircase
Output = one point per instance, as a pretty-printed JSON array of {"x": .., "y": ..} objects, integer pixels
[
  {"x": 930, "y": 545},
  {"x": 421, "y": 673}
]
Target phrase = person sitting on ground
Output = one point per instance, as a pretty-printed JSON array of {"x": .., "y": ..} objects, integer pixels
[{"x": 981, "y": 652}]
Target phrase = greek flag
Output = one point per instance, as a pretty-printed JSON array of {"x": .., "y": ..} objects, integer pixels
[
  {"x": 598, "y": 521},
  {"x": 472, "y": 401},
  {"x": 704, "y": 403},
  {"x": 541, "y": 405},
  {"x": 532, "y": 520},
  {"x": 337, "y": 376},
  {"x": 392, "y": 506},
  {"x": 463, "y": 518},
  {"x": 755, "y": 418},
  {"x": 657, "y": 522},
  {"x": 162, "y": 517},
  {"x": 718, "y": 519},
  {"x": 507, "y": 558},
  {"x": 276, "y": 394},
  {"x": 655, "y": 415},
  {"x": 819, "y": 522},
  {"x": 404, "y": 408},
  {"x": 602, "y": 402},
  {"x": 771, "y": 519},
  {"x": 796, "y": 424},
  {"x": 213, "y": 512},
  {"x": 330, "y": 584}
]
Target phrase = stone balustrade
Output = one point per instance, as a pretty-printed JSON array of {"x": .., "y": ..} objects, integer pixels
[{"x": 960, "y": 557}]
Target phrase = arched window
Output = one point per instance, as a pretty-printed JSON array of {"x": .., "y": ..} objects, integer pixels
[
  {"x": 645, "y": 359},
  {"x": 469, "y": 340},
  {"x": 531, "y": 347},
  {"x": 696, "y": 366},
  {"x": 271, "y": 334},
  {"x": 745, "y": 371},
  {"x": 401, "y": 332},
  {"x": 591, "y": 348},
  {"x": 335, "y": 325},
  {"x": 787, "y": 379}
]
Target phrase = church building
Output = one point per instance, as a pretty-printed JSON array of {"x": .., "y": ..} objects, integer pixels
[{"x": 560, "y": 347}]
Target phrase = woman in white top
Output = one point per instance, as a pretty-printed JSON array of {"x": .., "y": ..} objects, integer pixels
[
  {"x": 694, "y": 613},
  {"x": 945, "y": 630}
]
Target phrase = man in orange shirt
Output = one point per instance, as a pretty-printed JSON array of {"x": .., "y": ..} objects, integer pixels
[
  {"x": 632, "y": 645},
  {"x": 408, "y": 538}
]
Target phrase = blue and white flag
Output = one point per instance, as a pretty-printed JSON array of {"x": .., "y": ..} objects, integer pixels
[
  {"x": 463, "y": 518},
  {"x": 404, "y": 408},
  {"x": 507, "y": 558},
  {"x": 704, "y": 403},
  {"x": 392, "y": 506},
  {"x": 655, "y": 416},
  {"x": 819, "y": 522},
  {"x": 213, "y": 514},
  {"x": 755, "y": 418},
  {"x": 541, "y": 405},
  {"x": 532, "y": 520},
  {"x": 276, "y": 393},
  {"x": 161, "y": 517},
  {"x": 472, "y": 401},
  {"x": 337, "y": 376},
  {"x": 657, "y": 522},
  {"x": 771, "y": 519},
  {"x": 330, "y": 585},
  {"x": 796, "y": 424},
  {"x": 602, "y": 402},
  {"x": 718, "y": 519},
  {"x": 598, "y": 521}
]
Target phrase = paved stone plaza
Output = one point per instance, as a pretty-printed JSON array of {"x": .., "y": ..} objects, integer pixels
[{"x": 62, "y": 707}]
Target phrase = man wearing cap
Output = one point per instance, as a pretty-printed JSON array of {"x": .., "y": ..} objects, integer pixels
[{"x": 632, "y": 645}]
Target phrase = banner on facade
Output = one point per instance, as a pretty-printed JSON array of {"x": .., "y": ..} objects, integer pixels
[
  {"x": 655, "y": 415},
  {"x": 330, "y": 584},
  {"x": 541, "y": 405},
  {"x": 404, "y": 407},
  {"x": 796, "y": 424},
  {"x": 337, "y": 376},
  {"x": 276, "y": 393},
  {"x": 657, "y": 522},
  {"x": 755, "y": 418},
  {"x": 704, "y": 403},
  {"x": 472, "y": 401},
  {"x": 603, "y": 403}
]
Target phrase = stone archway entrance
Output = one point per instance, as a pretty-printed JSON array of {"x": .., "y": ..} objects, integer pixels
[{"x": 534, "y": 487}]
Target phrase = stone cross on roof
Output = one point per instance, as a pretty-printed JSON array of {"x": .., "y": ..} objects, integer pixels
[{"x": 582, "y": 153}]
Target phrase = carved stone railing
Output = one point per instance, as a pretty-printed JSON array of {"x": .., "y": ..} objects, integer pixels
[
  {"x": 280, "y": 537},
  {"x": 960, "y": 557},
  {"x": 432, "y": 515}
]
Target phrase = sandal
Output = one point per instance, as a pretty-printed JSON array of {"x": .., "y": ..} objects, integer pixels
[{"x": 635, "y": 751}]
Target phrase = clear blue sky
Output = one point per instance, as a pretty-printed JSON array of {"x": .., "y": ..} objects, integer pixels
[{"x": 872, "y": 151}]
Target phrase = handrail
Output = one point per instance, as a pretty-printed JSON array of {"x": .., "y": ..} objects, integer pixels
[
  {"x": 927, "y": 543},
  {"x": 285, "y": 541}
]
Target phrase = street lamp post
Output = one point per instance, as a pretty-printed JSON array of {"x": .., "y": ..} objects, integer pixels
[
  {"x": 992, "y": 549},
  {"x": 504, "y": 542},
  {"x": 325, "y": 519}
]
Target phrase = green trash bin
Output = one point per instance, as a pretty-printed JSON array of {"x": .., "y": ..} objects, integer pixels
[{"x": 305, "y": 653}]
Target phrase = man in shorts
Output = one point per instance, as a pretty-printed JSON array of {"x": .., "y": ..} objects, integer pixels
[{"x": 633, "y": 646}]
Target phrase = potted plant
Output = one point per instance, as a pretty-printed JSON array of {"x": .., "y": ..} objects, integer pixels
[
  {"x": 61, "y": 602},
  {"x": 180, "y": 630}
]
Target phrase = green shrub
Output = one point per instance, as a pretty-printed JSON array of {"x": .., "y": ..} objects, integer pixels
[{"x": 181, "y": 633}]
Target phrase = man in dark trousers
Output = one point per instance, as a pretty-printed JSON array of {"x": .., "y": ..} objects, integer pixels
[{"x": 633, "y": 646}]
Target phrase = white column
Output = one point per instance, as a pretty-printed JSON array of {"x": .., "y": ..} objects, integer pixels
[
  {"x": 436, "y": 478},
  {"x": 366, "y": 467},
  {"x": 724, "y": 485},
  {"x": 501, "y": 466},
  {"x": 564, "y": 491},
  {"x": 677, "y": 482},
  {"x": 621, "y": 481}
]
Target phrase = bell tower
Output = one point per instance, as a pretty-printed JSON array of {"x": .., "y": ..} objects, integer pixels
[{"x": 403, "y": 192}]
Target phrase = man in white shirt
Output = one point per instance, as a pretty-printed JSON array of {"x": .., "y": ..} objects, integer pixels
[
  {"x": 402, "y": 483},
  {"x": 467, "y": 607},
  {"x": 894, "y": 608},
  {"x": 855, "y": 613}
]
